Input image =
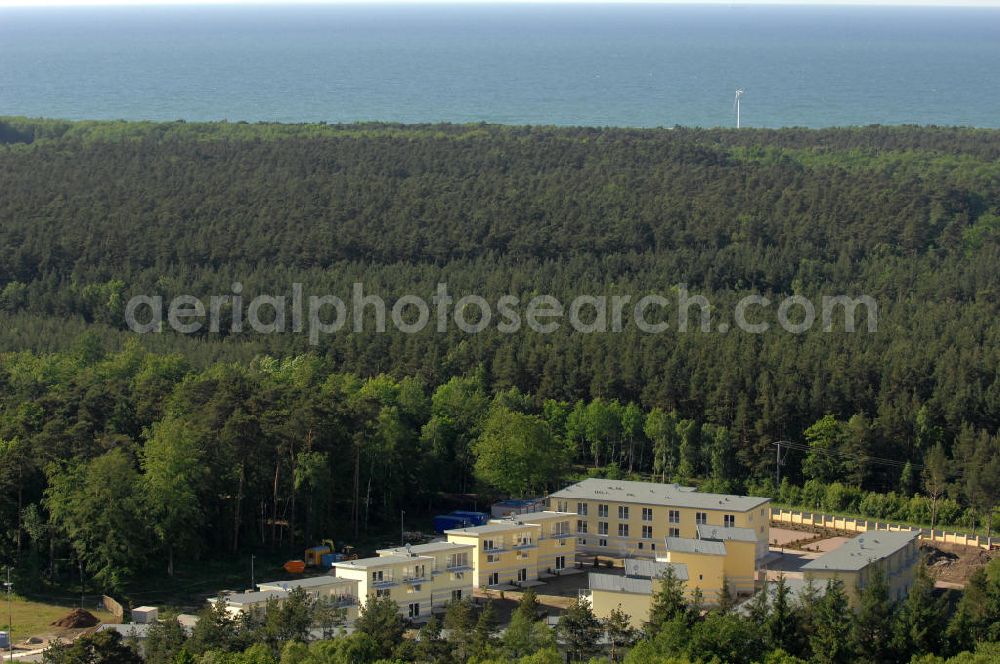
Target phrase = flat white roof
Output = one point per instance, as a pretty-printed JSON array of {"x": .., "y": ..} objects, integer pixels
[
  {"x": 308, "y": 582},
  {"x": 721, "y": 533},
  {"x": 382, "y": 561},
  {"x": 430, "y": 547},
  {"x": 500, "y": 526},
  {"x": 617, "y": 583},
  {"x": 653, "y": 569},
  {"x": 688, "y": 545},
  {"x": 866, "y": 548},
  {"x": 536, "y": 517},
  {"x": 239, "y": 599},
  {"x": 654, "y": 493}
]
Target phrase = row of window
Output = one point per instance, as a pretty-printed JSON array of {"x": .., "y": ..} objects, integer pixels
[
  {"x": 623, "y": 530},
  {"x": 673, "y": 516}
]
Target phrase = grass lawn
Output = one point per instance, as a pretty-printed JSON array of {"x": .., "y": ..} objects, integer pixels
[{"x": 35, "y": 618}]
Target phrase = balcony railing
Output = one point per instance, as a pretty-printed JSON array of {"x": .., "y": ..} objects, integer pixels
[{"x": 384, "y": 582}]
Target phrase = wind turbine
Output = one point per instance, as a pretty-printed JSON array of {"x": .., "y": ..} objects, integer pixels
[{"x": 736, "y": 106}]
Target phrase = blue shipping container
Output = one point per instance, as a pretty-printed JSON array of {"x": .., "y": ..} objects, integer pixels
[
  {"x": 477, "y": 518},
  {"x": 445, "y": 522}
]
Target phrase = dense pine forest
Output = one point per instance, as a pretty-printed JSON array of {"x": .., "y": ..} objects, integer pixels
[{"x": 129, "y": 452}]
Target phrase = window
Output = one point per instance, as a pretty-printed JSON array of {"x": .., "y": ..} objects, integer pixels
[
  {"x": 701, "y": 518},
  {"x": 602, "y": 542},
  {"x": 492, "y": 557},
  {"x": 522, "y": 574},
  {"x": 701, "y": 577},
  {"x": 560, "y": 562},
  {"x": 382, "y": 592},
  {"x": 647, "y": 532},
  {"x": 581, "y": 509},
  {"x": 488, "y": 545},
  {"x": 623, "y": 512},
  {"x": 494, "y": 579},
  {"x": 561, "y": 528},
  {"x": 602, "y": 527},
  {"x": 581, "y": 526},
  {"x": 562, "y": 506},
  {"x": 728, "y": 520},
  {"x": 640, "y": 546},
  {"x": 602, "y": 511},
  {"x": 653, "y": 546},
  {"x": 414, "y": 609},
  {"x": 581, "y": 541},
  {"x": 622, "y": 530},
  {"x": 674, "y": 516},
  {"x": 456, "y": 595},
  {"x": 674, "y": 532},
  {"x": 415, "y": 588},
  {"x": 647, "y": 513}
]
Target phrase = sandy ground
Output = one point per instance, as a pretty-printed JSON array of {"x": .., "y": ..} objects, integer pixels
[
  {"x": 829, "y": 544},
  {"x": 952, "y": 566}
]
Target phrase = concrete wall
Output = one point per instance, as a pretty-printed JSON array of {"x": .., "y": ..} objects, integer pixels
[{"x": 851, "y": 525}]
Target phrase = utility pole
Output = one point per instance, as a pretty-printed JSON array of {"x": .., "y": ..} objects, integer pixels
[
  {"x": 10, "y": 615},
  {"x": 402, "y": 537},
  {"x": 253, "y": 579},
  {"x": 777, "y": 467}
]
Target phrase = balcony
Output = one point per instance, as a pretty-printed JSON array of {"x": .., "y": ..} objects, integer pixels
[
  {"x": 342, "y": 601},
  {"x": 520, "y": 546},
  {"x": 459, "y": 566},
  {"x": 414, "y": 580},
  {"x": 384, "y": 583}
]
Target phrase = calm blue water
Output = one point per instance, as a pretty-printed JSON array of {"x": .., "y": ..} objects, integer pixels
[{"x": 635, "y": 65}]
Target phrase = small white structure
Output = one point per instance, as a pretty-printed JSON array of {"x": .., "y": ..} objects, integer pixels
[{"x": 145, "y": 615}]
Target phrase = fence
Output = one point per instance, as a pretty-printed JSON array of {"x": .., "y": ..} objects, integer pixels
[{"x": 851, "y": 525}]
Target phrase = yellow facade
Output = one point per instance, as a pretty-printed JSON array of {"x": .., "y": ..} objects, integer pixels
[
  {"x": 896, "y": 554},
  {"x": 635, "y": 605},
  {"x": 415, "y": 582},
  {"x": 518, "y": 551},
  {"x": 630, "y": 519},
  {"x": 705, "y": 572}
]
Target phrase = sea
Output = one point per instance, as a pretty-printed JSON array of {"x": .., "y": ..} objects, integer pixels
[{"x": 642, "y": 65}]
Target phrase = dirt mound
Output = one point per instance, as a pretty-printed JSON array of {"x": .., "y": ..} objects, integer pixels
[
  {"x": 76, "y": 619},
  {"x": 937, "y": 557}
]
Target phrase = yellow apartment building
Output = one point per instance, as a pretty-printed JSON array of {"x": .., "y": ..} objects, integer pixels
[
  {"x": 451, "y": 572},
  {"x": 895, "y": 553},
  {"x": 625, "y": 519},
  {"x": 342, "y": 593},
  {"x": 631, "y": 593},
  {"x": 705, "y": 561},
  {"x": 556, "y": 542},
  {"x": 517, "y": 551},
  {"x": 739, "y": 566},
  {"x": 411, "y": 579}
]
